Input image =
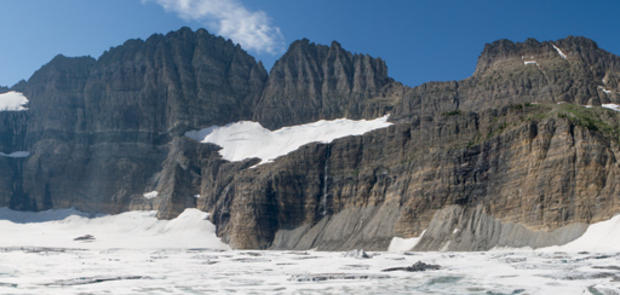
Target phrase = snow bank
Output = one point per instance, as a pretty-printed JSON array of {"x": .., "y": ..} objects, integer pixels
[
  {"x": 402, "y": 245},
  {"x": 18, "y": 154},
  {"x": 135, "y": 229},
  {"x": 560, "y": 52},
  {"x": 611, "y": 106},
  {"x": 151, "y": 195},
  {"x": 246, "y": 139},
  {"x": 602, "y": 236},
  {"x": 12, "y": 101}
]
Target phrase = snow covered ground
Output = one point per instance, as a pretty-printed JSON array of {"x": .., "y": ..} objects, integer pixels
[
  {"x": 133, "y": 253},
  {"x": 611, "y": 106},
  {"x": 28, "y": 270},
  {"x": 134, "y": 230},
  {"x": 12, "y": 101},
  {"x": 602, "y": 236},
  {"x": 246, "y": 139},
  {"x": 560, "y": 52},
  {"x": 399, "y": 244}
]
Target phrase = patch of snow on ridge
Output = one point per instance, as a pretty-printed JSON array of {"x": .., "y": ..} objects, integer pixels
[
  {"x": 12, "y": 101},
  {"x": 560, "y": 52},
  {"x": 18, "y": 154},
  {"x": 151, "y": 195},
  {"x": 611, "y": 106},
  {"x": 605, "y": 90},
  {"x": 130, "y": 230},
  {"x": 246, "y": 139},
  {"x": 402, "y": 245}
]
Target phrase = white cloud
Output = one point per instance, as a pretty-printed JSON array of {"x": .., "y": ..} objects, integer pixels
[{"x": 229, "y": 18}]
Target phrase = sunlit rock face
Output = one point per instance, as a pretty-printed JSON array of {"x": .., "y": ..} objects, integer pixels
[{"x": 495, "y": 141}]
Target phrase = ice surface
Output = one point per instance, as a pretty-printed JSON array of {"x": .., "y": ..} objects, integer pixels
[
  {"x": 133, "y": 253},
  {"x": 135, "y": 229},
  {"x": 13, "y": 101},
  {"x": 245, "y": 139},
  {"x": 202, "y": 271},
  {"x": 18, "y": 154},
  {"x": 151, "y": 195},
  {"x": 560, "y": 52}
]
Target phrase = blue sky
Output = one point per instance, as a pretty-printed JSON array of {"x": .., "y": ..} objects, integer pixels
[{"x": 420, "y": 40}]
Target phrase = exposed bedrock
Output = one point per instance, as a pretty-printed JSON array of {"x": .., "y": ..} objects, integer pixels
[
  {"x": 312, "y": 82},
  {"x": 533, "y": 165},
  {"x": 456, "y": 228},
  {"x": 101, "y": 132},
  {"x": 512, "y": 73}
]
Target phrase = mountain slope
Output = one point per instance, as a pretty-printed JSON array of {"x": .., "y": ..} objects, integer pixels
[{"x": 99, "y": 130}]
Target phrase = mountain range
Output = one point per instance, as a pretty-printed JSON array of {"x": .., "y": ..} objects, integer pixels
[{"x": 524, "y": 152}]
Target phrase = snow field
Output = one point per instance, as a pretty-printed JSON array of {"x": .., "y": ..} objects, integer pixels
[{"x": 246, "y": 139}]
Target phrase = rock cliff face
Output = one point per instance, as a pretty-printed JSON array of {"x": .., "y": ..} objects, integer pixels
[
  {"x": 99, "y": 131},
  {"x": 487, "y": 161},
  {"x": 537, "y": 166},
  {"x": 312, "y": 82},
  {"x": 478, "y": 143}
]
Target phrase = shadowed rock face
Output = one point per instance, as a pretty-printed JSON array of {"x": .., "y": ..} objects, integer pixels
[
  {"x": 103, "y": 132},
  {"x": 100, "y": 130}
]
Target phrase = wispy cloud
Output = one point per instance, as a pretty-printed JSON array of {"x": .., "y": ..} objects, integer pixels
[{"x": 252, "y": 29}]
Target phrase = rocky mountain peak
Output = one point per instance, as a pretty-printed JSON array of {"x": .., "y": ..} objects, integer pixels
[
  {"x": 531, "y": 50},
  {"x": 311, "y": 82},
  {"x": 63, "y": 64},
  {"x": 335, "y": 45},
  {"x": 89, "y": 118},
  {"x": 577, "y": 44},
  {"x": 573, "y": 69}
]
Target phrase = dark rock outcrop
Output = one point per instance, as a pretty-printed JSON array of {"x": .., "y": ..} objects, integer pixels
[
  {"x": 99, "y": 131},
  {"x": 418, "y": 266}
]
